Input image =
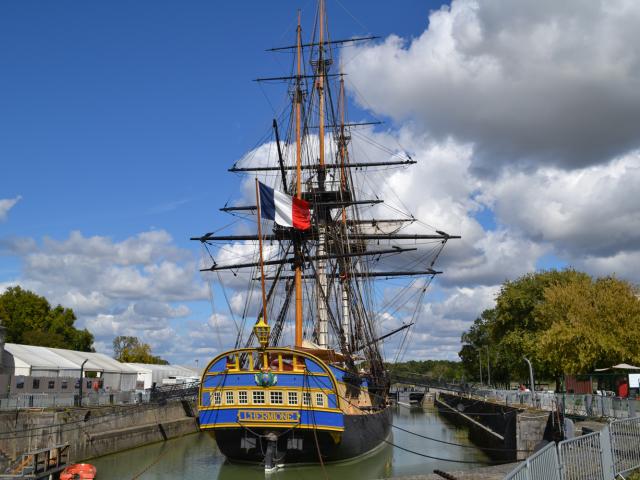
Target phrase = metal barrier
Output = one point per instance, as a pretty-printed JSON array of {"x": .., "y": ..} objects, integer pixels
[
  {"x": 603, "y": 455},
  {"x": 625, "y": 444},
  {"x": 46, "y": 400},
  {"x": 586, "y": 456},
  {"x": 543, "y": 464}
]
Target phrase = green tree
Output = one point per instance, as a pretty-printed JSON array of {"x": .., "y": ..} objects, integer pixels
[
  {"x": 131, "y": 350},
  {"x": 587, "y": 324},
  {"x": 29, "y": 319},
  {"x": 564, "y": 321}
]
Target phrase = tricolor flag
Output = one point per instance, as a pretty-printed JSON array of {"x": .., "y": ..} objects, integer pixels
[{"x": 283, "y": 209}]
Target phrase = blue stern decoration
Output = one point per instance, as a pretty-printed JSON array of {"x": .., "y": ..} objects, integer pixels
[{"x": 266, "y": 379}]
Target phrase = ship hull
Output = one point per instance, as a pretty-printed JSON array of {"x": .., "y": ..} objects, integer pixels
[{"x": 362, "y": 434}]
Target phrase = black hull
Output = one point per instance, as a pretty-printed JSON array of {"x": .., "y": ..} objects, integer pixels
[{"x": 362, "y": 434}]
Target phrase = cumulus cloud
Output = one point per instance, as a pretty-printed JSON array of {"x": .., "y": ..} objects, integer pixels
[
  {"x": 530, "y": 83},
  {"x": 7, "y": 204},
  {"x": 585, "y": 212},
  {"x": 136, "y": 286}
]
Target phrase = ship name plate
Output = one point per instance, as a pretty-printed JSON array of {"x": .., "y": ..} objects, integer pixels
[{"x": 268, "y": 416}]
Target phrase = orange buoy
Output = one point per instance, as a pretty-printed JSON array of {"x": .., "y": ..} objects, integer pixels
[{"x": 79, "y": 471}]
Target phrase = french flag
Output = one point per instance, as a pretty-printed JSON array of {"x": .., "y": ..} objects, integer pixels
[{"x": 283, "y": 209}]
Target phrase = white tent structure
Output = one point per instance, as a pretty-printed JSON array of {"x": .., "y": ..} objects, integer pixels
[
  {"x": 33, "y": 361},
  {"x": 148, "y": 374},
  {"x": 30, "y": 360},
  {"x": 114, "y": 375}
]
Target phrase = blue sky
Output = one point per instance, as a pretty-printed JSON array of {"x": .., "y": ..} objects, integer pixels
[
  {"x": 121, "y": 116},
  {"x": 119, "y": 119}
]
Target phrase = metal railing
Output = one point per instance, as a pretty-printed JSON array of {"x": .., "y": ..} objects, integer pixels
[
  {"x": 542, "y": 464},
  {"x": 603, "y": 455},
  {"x": 587, "y": 456},
  {"x": 47, "y": 400},
  {"x": 581, "y": 405},
  {"x": 625, "y": 444}
]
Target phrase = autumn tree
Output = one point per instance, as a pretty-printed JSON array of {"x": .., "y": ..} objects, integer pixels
[
  {"x": 564, "y": 321},
  {"x": 29, "y": 319},
  {"x": 131, "y": 350},
  {"x": 587, "y": 324}
]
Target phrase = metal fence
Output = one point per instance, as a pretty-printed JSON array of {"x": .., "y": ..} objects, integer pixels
[
  {"x": 603, "y": 455},
  {"x": 542, "y": 464},
  {"x": 50, "y": 400},
  {"x": 586, "y": 457},
  {"x": 47, "y": 400},
  {"x": 582, "y": 405},
  {"x": 625, "y": 444}
]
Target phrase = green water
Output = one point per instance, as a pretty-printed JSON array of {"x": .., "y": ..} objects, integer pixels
[{"x": 197, "y": 457}]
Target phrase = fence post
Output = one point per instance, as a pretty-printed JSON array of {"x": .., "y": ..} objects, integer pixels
[{"x": 608, "y": 469}]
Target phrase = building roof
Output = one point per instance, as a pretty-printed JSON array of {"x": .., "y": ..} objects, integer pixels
[
  {"x": 165, "y": 370},
  {"x": 620, "y": 366},
  {"x": 62, "y": 359},
  {"x": 40, "y": 357},
  {"x": 98, "y": 362}
]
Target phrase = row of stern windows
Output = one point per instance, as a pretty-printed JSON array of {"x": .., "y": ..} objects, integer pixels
[{"x": 274, "y": 397}]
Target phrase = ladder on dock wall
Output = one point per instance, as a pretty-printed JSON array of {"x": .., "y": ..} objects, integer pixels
[{"x": 39, "y": 463}]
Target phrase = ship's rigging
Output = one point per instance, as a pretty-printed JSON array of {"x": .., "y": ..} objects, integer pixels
[{"x": 320, "y": 291}]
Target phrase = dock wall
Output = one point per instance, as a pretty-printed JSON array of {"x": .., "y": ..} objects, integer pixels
[
  {"x": 507, "y": 433},
  {"x": 94, "y": 431}
]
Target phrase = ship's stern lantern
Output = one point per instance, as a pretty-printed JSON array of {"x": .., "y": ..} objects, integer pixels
[{"x": 262, "y": 330}]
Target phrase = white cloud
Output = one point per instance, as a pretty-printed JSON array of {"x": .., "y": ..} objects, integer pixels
[
  {"x": 534, "y": 83},
  {"x": 136, "y": 286},
  {"x": 591, "y": 211},
  {"x": 7, "y": 204}
]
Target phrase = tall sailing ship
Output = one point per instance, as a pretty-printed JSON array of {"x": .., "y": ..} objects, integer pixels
[{"x": 307, "y": 383}]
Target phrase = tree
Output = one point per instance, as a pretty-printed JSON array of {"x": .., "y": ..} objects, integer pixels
[
  {"x": 563, "y": 321},
  {"x": 29, "y": 319},
  {"x": 131, "y": 350},
  {"x": 588, "y": 324}
]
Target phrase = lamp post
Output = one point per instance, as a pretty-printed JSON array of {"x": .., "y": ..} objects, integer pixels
[
  {"x": 81, "y": 381},
  {"x": 480, "y": 363},
  {"x": 488, "y": 367},
  {"x": 532, "y": 380}
]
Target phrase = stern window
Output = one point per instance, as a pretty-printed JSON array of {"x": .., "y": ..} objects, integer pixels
[
  {"x": 243, "y": 398},
  {"x": 229, "y": 398},
  {"x": 320, "y": 399},
  {"x": 258, "y": 397},
  {"x": 293, "y": 398},
  {"x": 217, "y": 398},
  {"x": 276, "y": 398},
  {"x": 306, "y": 399}
]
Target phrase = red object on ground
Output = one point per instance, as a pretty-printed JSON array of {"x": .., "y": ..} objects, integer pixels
[
  {"x": 79, "y": 471},
  {"x": 623, "y": 390}
]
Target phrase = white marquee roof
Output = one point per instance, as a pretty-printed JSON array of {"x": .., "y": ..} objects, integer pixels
[
  {"x": 40, "y": 357},
  {"x": 62, "y": 359}
]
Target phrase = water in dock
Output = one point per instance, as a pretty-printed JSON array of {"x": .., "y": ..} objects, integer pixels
[{"x": 197, "y": 457}]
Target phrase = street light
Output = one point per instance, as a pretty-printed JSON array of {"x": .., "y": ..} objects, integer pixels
[
  {"x": 81, "y": 381},
  {"x": 488, "y": 366},
  {"x": 531, "y": 379}
]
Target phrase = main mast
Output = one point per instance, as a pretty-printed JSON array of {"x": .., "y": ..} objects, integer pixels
[
  {"x": 297, "y": 243},
  {"x": 321, "y": 290}
]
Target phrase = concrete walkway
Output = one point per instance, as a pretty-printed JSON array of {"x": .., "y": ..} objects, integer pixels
[{"x": 497, "y": 472}]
